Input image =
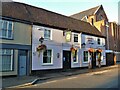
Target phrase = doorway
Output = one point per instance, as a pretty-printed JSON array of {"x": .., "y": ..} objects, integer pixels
[
  {"x": 22, "y": 63},
  {"x": 93, "y": 55},
  {"x": 66, "y": 59}
]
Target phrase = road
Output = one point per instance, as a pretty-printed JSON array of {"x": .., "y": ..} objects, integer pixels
[{"x": 101, "y": 79}]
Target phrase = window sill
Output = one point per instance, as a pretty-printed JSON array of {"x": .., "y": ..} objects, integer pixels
[
  {"x": 85, "y": 62},
  {"x": 47, "y": 64},
  {"x": 6, "y": 38},
  {"x": 75, "y": 62}
]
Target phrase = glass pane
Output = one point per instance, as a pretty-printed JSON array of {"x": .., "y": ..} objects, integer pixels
[
  {"x": 8, "y": 51},
  {"x": 0, "y": 33},
  {"x": 6, "y": 62},
  {"x": 4, "y": 33},
  {"x": 49, "y": 60},
  {"x": 9, "y": 34},
  {"x": 10, "y": 26},
  {"x": 45, "y": 53},
  {"x": 44, "y": 59},
  {"x": 49, "y": 53},
  {"x": 5, "y": 25},
  {"x": 0, "y": 24}
]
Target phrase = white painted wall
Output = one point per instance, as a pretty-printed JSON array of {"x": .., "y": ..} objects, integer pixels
[
  {"x": 95, "y": 46},
  {"x": 57, "y": 44}
]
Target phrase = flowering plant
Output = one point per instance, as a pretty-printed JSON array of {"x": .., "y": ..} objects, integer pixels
[
  {"x": 99, "y": 50},
  {"x": 40, "y": 48},
  {"x": 72, "y": 49},
  {"x": 91, "y": 50}
]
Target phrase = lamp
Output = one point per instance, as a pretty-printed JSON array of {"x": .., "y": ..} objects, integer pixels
[
  {"x": 83, "y": 44},
  {"x": 41, "y": 40}
]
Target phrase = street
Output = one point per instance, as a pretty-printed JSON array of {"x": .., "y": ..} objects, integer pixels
[{"x": 100, "y": 79}]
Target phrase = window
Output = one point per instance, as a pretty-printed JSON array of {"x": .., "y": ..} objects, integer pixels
[
  {"x": 75, "y": 38},
  {"x": 75, "y": 57},
  {"x": 6, "y": 29},
  {"x": 6, "y": 59},
  {"x": 47, "y": 34},
  {"x": 85, "y": 56},
  {"x": 92, "y": 21},
  {"x": 98, "y": 41},
  {"x": 47, "y": 57}
]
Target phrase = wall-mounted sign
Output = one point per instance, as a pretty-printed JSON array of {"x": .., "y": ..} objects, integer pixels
[{"x": 68, "y": 36}]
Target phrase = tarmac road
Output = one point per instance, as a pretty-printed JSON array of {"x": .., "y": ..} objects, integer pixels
[{"x": 100, "y": 79}]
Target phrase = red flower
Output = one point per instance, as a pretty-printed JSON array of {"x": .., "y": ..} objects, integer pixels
[{"x": 91, "y": 50}]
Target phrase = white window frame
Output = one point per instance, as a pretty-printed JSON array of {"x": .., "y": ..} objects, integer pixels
[
  {"x": 12, "y": 55},
  {"x": 51, "y": 58},
  {"x": 76, "y": 57},
  {"x": 99, "y": 41},
  {"x": 6, "y": 37},
  {"x": 74, "y": 37},
  {"x": 48, "y": 29},
  {"x": 83, "y": 57}
]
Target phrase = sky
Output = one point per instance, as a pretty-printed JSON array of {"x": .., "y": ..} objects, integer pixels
[{"x": 69, "y": 7}]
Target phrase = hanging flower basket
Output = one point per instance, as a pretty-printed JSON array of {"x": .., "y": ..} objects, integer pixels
[
  {"x": 99, "y": 50},
  {"x": 41, "y": 48},
  {"x": 91, "y": 50},
  {"x": 72, "y": 49}
]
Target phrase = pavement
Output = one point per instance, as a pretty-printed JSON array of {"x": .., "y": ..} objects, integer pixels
[{"x": 16, "y": 82}]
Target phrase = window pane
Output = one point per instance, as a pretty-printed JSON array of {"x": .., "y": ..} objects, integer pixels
[
  {"x": 44, "y": 59},
  {"x": 47, "y": 56},
  {"x": 9, "y": 34},
  {"x": 75, "y": 38},
  {"x": 4, "y": 33},
  {"x": 0, "y": 33},
  {"x": 49, "y": 60},
  {"x": 1, "y": 24},
  {"x": 85, "y": 56},
  {"x": 6, "y": 59},
  {"x": 47, "y": 34},
  {"x": 5, "y": 25},
  {"x": 49, "y": 53},
  {"x": 10, "y": 26}
]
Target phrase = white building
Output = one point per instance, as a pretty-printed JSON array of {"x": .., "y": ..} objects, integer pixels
[{"x": 59, "y": 55}]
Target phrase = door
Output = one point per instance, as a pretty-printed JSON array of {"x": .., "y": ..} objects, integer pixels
[
  {"x": 66, "y": 59},
  {"x": 93, "y": 59},
  {"x": 22, "y": 63}
]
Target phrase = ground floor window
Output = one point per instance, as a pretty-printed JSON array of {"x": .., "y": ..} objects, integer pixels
[
  {"x": 6, "y": 59},
  {"x": 85, "y": 56},
  {"x": 47, "y": 57},
  {"x": 75, "y": 57}
]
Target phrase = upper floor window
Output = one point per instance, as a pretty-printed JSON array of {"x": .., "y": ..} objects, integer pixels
[
  {"x": 98, "y": 41},
  {"x": 6, "y": 59},
  {"x": 75, "y": 37},
  {"x": 47, "y": 34},
  {"x": 6, "y": 29}
]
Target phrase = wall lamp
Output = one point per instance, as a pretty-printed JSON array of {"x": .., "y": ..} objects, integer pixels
[{"x": 41, "y": 39}]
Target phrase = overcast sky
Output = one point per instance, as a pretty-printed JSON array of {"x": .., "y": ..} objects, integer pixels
[{"x": 69, "y": 7}]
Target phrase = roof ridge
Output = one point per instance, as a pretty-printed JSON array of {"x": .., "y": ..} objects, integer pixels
[{"x": 87, "y": 10}]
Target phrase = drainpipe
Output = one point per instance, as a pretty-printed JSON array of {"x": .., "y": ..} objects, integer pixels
[{"x": 107, "y": 26}]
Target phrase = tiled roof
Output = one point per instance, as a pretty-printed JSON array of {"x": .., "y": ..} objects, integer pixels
[
  {"x": 88, "y": 12},
  {"x": 41, "y": 16}
]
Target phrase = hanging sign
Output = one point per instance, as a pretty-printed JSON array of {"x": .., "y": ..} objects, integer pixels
[{"x": 68, "y": 36}]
